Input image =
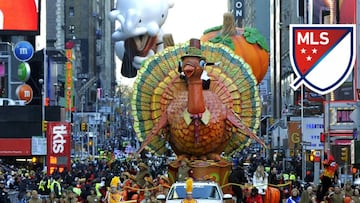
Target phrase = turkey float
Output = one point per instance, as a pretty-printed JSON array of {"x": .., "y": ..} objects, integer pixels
[{"x": 201, "y": 99}]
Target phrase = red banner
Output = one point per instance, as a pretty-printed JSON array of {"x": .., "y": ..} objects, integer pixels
[
  {"x": 58, "y": 146},
  {"x": 15, "y": 146}
]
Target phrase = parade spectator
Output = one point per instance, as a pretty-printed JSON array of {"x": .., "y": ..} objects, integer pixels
[
  {"x": 44, "y": 186},
  {"x": 92, "y": 197},
  {"x": 143, "y": 171},
  {"x": 260, "y": 180},
  {"x": 133, "y": 191},
  {"x": 308, "y": 196},
  {"x": 24, "y": 184},
  {"x": 273, "y": 180},
  {"x": 102, "y": 187},
  {"x": 146, "y": 196},
  {"x": 71, "y": 197},
  {"x": 10, "y": 183},
  {"x": 68, "y": 179},
  {"x": 26, "y": 197},
  {"x": 348, "y": 191},
  {"x": 254, "y": 196},
  {"x": 163, "y": 184},
  {"x": 55, "y": 186},
  {"x": 4, "y": 197},
  {"x": 52, "y": 198},
  {"x": 292, "y": 177},
  {"x": 337, "y": 196},
  {"x": 356, "y": 195},
  {"x": 294, "y": 197},
  {"x": 63, "y": 197},
  {"x": 35, "y": 197},
  {"x": 237, "y": 177},
  {"x": 183, "y": 171},
  {"x": 309, "y": 177}
]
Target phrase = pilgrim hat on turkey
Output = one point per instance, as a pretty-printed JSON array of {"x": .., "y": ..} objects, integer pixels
[{"x": 194, "y": 49}]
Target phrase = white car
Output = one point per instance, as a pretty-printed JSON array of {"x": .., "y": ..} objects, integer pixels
[{"x": 203, "y": 191}]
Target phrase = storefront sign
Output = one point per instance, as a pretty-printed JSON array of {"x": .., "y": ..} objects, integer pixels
[
  {"x": 337, "y": 115},
  {"x": 15, "y": 147},
  {"x": 239, "y": 10}
]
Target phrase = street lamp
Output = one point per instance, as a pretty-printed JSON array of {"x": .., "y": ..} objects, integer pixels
[
  {"x": 41, "y": 82},
  {"x": 82, "y": 101}
]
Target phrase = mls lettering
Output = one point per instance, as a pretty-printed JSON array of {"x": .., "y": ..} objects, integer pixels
[
  {"x": 58, "y": 139},
  {"x": 308, "y": 38}
]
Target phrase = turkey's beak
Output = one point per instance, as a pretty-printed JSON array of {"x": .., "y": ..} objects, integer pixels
[{"x": 188, "y": 70}]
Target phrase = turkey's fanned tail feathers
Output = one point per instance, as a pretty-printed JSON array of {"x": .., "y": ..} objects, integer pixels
[{"x": 158, "y": 83}]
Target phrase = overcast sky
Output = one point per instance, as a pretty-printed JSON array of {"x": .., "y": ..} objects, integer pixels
[{"x": 188, "y": 19}]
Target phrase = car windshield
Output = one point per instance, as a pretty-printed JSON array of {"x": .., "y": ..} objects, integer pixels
[{"x": 199, "y": 192}]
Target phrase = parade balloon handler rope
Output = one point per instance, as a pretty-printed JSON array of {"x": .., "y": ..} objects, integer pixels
[
  {"x": 145, "y": 189},
  {"x": 248, "y": 186},
  {"x": 243, "y": 186}
]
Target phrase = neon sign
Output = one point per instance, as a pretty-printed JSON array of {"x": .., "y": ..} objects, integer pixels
[{"x": 69, "y": 81}]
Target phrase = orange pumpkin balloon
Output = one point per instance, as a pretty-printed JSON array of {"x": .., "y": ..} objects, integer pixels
[{"x": 246, "y": 43}]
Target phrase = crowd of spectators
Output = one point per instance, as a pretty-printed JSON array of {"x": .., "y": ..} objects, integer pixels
[
  {"x": 260, "y": 174},
  {"x": 90, "y": 181},
  {"x": 86, "y": 181}
]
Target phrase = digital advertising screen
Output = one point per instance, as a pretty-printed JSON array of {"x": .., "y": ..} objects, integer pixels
[{"x": 20, "y": 17}]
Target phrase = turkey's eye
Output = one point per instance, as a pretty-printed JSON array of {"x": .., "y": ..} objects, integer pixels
[{"x": 202, "y": 63}]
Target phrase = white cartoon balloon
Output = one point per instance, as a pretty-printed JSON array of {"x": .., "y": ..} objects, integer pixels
[{"x": 139, "y": 33}]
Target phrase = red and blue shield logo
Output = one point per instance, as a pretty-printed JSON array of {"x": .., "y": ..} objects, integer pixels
[{"x": 322, "y": 56}]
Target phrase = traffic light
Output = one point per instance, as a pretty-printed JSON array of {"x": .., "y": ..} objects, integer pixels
[
  {"x": 47, "y": 101},
  {"x": 344, "y": 154},
  {"x": 312, "y": 156},
  {"x": 44, "y": 126},
  {"x": 83, "y": 127}
]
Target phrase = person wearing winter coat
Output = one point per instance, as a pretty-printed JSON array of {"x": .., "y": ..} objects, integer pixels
[
  {"x": 260, "y": 180},
  {"x": 254, "y": 196},
  {"x": 295, "y": 196}
]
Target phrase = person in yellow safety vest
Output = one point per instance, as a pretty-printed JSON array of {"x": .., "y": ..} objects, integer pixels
[
  {"x": 267, "y": 169},
  {"x": 292, "y": 176},
  {"x": 49, "y": 183},
  {"x": 97, "y": 189},
  {"x": 286, "y": 177},
  {"x": 56, "y": 187},
  {"x": 77, "y": 191},
  {"x": 44, "y": 186}
]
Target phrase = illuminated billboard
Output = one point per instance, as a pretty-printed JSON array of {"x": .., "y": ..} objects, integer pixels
[{"x": 20, "y": 17}]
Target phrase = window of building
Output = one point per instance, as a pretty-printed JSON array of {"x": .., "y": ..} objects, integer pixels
[
  {"x": 71, "y": 11},
  {"x": 72, "y": 29}
]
